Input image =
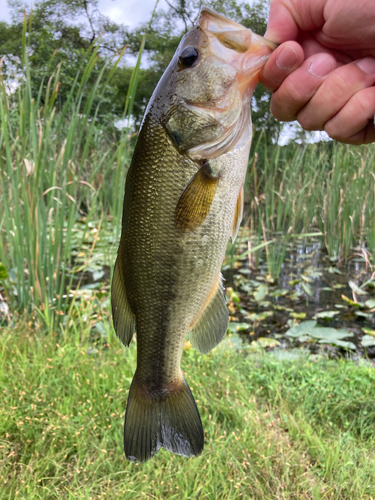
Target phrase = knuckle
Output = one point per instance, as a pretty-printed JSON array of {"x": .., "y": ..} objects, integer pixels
[
  {"x": 306, "y": 120},
  {"x": 287, "y": 101},
  {"x": 338, "y": 84}
]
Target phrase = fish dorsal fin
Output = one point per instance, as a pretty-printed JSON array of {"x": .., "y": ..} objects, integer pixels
[
  {"x": 238, "y": 214},
  {"x": 211, "y": 325},
  {"x": 123, "y": 317},
  {"x": 196, "y": 200}
]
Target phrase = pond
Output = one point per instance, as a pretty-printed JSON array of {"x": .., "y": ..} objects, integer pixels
[{"x": 313, "y": 302}]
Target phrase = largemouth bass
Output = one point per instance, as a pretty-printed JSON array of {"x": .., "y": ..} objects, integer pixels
[{"x": 183, "y": 201}]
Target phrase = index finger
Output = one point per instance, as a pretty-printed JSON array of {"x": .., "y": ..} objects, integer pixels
[{"x": 285, "y": 59}]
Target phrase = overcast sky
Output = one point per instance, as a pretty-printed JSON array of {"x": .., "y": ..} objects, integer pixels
[{"x": 128, "y": 12}]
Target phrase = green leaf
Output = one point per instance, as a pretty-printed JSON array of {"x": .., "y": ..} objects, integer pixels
[
  {"x": 295, "y": 315},
  {"x": 370, "y": 303},
  {"x": 334, "y": 270},
  {"x": 307, "y": 289},
  {"x": 369, "y": 331},
  {"x": 293, "y": 282},
  {"x": 329, "y": 334},
  {"x": 260, "y": 316},
  {"x": 351, "y": 302},
  {"x": 238, "y": 327},
  {"x": 307, "y": 278},
  {"x": 326, "y": 314},
  {"x": 363, "y": 315},
  {"x": 261, "y": 292},
  {"x": 356, "y": 289},
  {"x": 340, "y": 343},
  {"x": 368, "y": 341},
  {"x": 3, "y": 272},
  {"x": 266, "y": 342},
  {"x": 302, "y": 329}
]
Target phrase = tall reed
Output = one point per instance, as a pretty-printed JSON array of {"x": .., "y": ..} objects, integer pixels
[
  {"x": 325, "y": 187},
  {"x": 54, "y": 168}
]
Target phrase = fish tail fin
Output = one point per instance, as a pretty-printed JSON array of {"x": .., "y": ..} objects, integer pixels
[{"x": 169, "y": 419}]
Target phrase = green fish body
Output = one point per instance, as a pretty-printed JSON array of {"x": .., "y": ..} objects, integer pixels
[{"x": 183, "y": 200}]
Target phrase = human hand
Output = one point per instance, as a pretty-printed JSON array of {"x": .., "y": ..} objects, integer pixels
[{"x": 323, "y": 75}]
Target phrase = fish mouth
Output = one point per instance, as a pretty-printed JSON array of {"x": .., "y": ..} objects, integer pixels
[{"x": 231, "y": 43}]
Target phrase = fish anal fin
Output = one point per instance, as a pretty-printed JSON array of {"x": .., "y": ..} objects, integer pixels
[
  {"x": 238, "y": 214},
  {"x": 168, "y": 418},
  {"x": 211, "y": 325},
  {"x": 123, "y": 317},
  {"x": 196, "y": 200}
]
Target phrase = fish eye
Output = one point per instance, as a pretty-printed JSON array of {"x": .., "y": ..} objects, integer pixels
[{"x": 188, "y": 57}]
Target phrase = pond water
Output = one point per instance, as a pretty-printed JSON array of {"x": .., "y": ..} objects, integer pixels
[{"x": 314, "y": 302}]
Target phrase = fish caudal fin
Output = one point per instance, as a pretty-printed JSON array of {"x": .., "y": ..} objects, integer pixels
[
  {"x": 169, "y": 419},
  {"x": 212, "y": 323},
  {"x": 123, "y": 317}
]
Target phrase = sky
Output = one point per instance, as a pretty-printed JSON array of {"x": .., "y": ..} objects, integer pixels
[{"x": 128, "y": 12}]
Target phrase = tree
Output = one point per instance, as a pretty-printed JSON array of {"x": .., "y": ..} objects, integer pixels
[
  {"x": 52, "y": 40},
  {"x": 164, "y": 34}
]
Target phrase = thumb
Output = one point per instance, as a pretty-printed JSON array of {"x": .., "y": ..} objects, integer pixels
[{"x": 289, "y": 18}]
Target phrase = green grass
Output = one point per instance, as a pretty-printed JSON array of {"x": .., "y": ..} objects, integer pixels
[{"x": 274, "y": 429}]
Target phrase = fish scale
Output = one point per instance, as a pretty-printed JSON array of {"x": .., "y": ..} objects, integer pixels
[{"x": 183, "y": 201}]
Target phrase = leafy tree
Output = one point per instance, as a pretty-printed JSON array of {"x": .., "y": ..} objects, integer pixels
[
  {"x": 164, "y": 34},
  {"x": 52, "y": 40}
]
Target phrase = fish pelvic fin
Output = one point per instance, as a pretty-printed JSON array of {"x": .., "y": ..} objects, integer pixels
[
  {"x": 212, "y": 323},
  {"x": 123, "y": 317},
  {"x": 196, "y": 200},
  {"x": 238, "y": 214},
  {"x": 166, "y": 418}
]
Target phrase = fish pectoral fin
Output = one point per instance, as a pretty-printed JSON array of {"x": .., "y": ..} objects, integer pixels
[
  {"x": 123, "y": 317},
  {"x": 238, "y": 214},
  {"x": 168, "y": 418},
  {"x": 196, "y": 200},
  {"x": 212, "y": 323}
]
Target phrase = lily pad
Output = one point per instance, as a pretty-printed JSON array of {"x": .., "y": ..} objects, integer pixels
[
  {"x": 329, "y": 334},
  {"x": 279, "y": 292},
  {"x": 260, "y": 292},
  {"x": 340, "y": 343},
  {"x": 363, "y": 315},
  {"x": 238, "y": 327},
  {"x": 368, "y": 341},
  {"x": 254, "y": 317},
  {"x": 302, "y": 329},
  {"x": 308, "y": 330},
  {"x": 326, "y": 314},
  {"x": 97, "y": 275}
]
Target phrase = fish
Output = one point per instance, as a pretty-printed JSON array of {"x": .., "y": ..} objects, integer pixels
[{"x": 183, "y": 201}]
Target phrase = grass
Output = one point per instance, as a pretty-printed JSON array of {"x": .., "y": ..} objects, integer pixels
[{"x": 274, "y": 429}]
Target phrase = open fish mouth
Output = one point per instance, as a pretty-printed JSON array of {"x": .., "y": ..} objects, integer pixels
[{"x": 233, "y": 44}]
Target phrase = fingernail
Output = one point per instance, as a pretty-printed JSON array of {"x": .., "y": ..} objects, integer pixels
[
  {"x": 367, "y": 64},
  {"x": 287, "y": 58},
  {"x": 321, "y": 65}
]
